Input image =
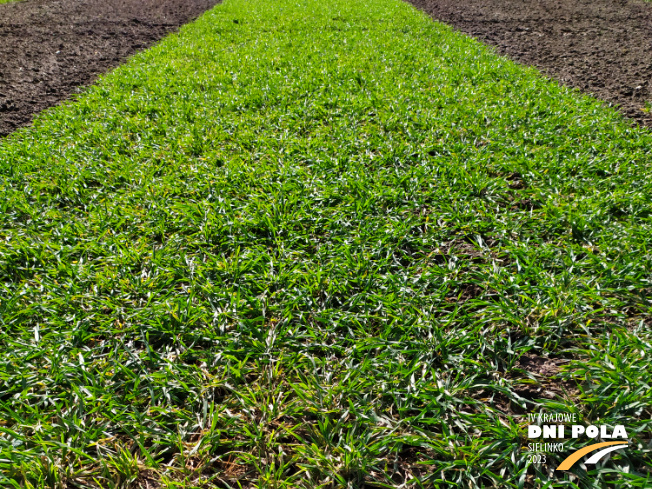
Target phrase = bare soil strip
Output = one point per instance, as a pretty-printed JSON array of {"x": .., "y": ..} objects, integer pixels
[
  {"x": 603, "y": 47},
  {"x": 50, "y": 48}
]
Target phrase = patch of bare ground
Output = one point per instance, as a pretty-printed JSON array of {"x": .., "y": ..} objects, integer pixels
[
  {"x": 411, "y": 463},
  {"x": 533, "y": 379},
  {"x": 603, "y": 47},
  {"x": 544, "y": 371},
  {"x": 148, "y": 479},
  {"x": 50, "y": 48}
]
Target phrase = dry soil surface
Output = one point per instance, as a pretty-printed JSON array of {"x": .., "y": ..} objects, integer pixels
[
  {"x": 49, "y": 48},
  {"x": 603, "y": 47}
]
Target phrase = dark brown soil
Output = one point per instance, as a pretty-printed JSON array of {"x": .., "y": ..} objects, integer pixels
[
  {"x": 545, "y": 370},
  {"x": 50, "y": 48},
  {"x": 603, "y": 47}
]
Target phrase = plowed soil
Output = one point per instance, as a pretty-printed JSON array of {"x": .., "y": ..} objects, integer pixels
[
  {"x": 49, "y": 48},
  {"x": 603, "y": 47}
]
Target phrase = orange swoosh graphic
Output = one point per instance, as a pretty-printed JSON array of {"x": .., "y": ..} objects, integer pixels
[{"x": 574, "y": 457}]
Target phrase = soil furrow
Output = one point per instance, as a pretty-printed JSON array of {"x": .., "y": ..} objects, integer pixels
[
  {"x": 603, "y": 47},
  {"x": 51, "y": 48}
]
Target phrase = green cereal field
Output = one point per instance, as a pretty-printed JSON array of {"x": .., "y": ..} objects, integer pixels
[{"x": 322, "y": 244}]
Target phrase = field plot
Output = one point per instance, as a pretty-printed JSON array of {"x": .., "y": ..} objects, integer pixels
[
  {"x": 49, "y": 48},
  {"x": 321, "y": 244},
  {"x": 599, "y": 46}
]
